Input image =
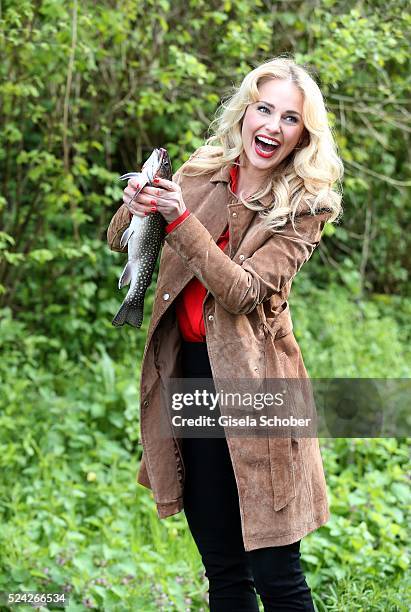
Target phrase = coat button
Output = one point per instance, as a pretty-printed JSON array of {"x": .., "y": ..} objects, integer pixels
[
  {"x": 145, "y": 403},
  {"x": 210, "y": 317},
  {"x": 166, "y": 297},
  {"x": 242, "y": 257},
  {"x": 234, "y": 214}
]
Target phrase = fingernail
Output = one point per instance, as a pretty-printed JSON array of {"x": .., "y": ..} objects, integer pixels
[
  {"x": 153, "y": 202},
  {"x": 153, "y": 209},
  {"x": 145, "y": 213},
  {"x": 137, "y": 185},
  {"x": 156, "y": 180}
]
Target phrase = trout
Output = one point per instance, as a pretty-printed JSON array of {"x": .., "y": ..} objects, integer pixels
[{"x": 143, "y": 237}]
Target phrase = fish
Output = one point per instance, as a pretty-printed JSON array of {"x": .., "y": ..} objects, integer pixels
[{"x": 144, "y": 238}]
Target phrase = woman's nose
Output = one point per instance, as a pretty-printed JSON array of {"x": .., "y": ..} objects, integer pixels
[{"x": 273, "y": 125}]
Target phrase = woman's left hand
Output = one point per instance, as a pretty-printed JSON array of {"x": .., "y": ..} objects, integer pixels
[{"x": 166, "y": 198}]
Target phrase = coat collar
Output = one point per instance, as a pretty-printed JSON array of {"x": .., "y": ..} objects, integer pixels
[{"x": 222, "y": 175}]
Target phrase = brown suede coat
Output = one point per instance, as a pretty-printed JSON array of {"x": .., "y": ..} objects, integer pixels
[{"x": 280, "y": 481}]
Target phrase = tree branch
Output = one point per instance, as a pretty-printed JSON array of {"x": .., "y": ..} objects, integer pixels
[{"x": 66, "y": 145}]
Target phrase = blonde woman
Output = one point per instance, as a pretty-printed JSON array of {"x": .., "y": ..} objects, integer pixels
[{"x": 244, "y": 214}]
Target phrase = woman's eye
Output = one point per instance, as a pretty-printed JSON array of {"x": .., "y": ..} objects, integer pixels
[{"x": 264, "y": 109}]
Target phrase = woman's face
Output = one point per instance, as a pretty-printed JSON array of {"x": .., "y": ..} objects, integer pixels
[{"x": 276, "y": 117}]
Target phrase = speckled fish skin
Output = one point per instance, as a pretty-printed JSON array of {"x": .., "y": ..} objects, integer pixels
[{"x": 144, "y": 238}]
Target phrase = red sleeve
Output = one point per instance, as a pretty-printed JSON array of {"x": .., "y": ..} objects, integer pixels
[{"x": 173, "y": 224}]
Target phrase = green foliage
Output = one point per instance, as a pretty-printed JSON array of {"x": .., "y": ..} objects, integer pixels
[
  {"x": 73, "y": 517},
  {"x": 345, "y": 337},
  {"x": 366, "y": 537},
  {"x": 87, "y": 90}
]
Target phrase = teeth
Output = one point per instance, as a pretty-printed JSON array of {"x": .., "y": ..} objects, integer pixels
[{"x": 267, "y": 141}]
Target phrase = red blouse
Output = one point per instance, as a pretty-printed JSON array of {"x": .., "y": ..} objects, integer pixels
[{"x": 189, "y": 303}]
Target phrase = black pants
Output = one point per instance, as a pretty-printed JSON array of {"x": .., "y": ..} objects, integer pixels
[{"x": 212, "y": 510}]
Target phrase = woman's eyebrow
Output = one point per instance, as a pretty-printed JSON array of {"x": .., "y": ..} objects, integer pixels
[{"x": 272, "y": 106}]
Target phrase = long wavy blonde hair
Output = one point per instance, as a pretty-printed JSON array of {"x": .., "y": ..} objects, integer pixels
[{"x": 307, "y": 175}]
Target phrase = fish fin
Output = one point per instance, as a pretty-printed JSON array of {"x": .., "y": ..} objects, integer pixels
[
  {"x": 129, "y": 175},
  {"x": 125, "y": 237},
  {"x": 125, "y": 277},
  {"x": 129, "y": 314}
]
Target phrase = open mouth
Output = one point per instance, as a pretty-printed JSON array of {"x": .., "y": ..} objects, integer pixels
[{"x": 264, "y": 146}]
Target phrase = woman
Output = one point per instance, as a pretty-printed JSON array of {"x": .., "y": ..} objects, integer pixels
[{"x": 242, "y": 218}]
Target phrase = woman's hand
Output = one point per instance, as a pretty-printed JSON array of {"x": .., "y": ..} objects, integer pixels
[{"x": 166, "y": 198}]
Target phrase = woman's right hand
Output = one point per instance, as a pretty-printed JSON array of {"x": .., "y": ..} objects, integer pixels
[
  {"x": 163, "y": 196},
  {"x": 129, "y": 199}
]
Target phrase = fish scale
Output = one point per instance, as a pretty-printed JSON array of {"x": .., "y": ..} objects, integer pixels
[{"x": 143, "y": 238}]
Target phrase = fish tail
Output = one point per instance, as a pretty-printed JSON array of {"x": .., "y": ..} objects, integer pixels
[{"x": 128, "y": 313}]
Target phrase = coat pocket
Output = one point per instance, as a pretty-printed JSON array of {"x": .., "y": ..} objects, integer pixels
[
  {"x": 281, "y": 449},
  {"x": 282, "y": 470}
]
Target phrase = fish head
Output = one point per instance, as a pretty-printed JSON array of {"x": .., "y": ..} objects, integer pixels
[
  {"x": 158, "y": 163},
  {"x": 152, "y": 164}
]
